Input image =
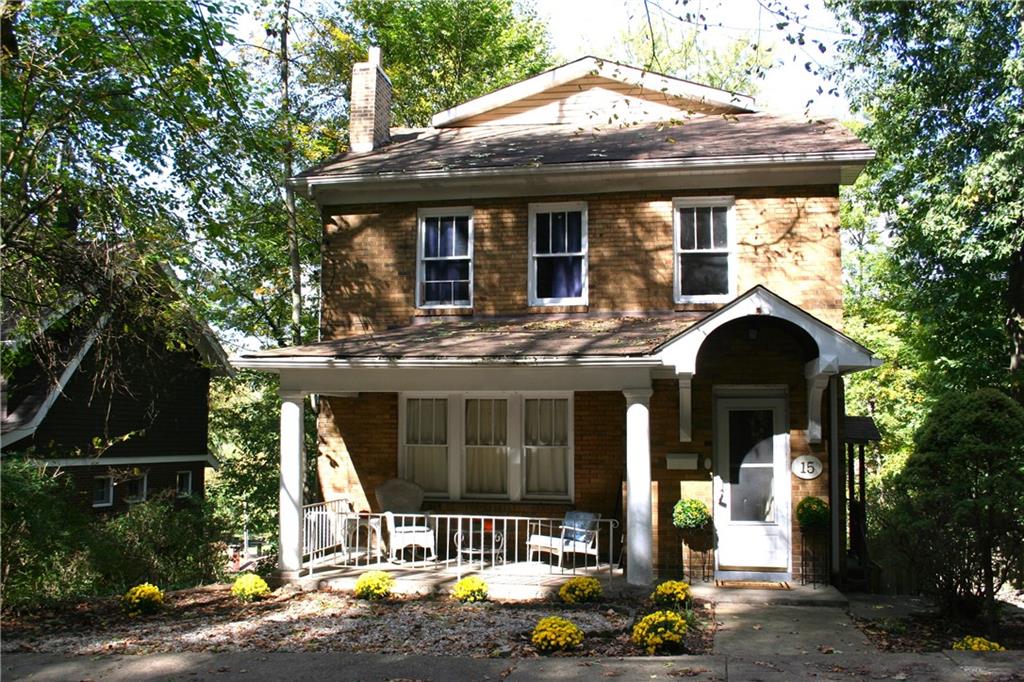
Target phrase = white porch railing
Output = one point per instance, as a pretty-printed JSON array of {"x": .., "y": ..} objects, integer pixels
[{"x": 335, "y": 536}]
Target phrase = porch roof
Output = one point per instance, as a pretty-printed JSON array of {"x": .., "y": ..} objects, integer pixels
[{"x": 506, "y": 338}]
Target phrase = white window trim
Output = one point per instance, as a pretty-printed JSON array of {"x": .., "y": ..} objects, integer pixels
[
  {"x": 110, "y": 492},
  {"x": 516, "y": 449},
  {"x": 730, "y": 223},
  {"x": 580, "y": 206},
  {"x": 441, "y": 212},
  {"x": 190, "y": 489},
  {"x": 145, "y": 489}
]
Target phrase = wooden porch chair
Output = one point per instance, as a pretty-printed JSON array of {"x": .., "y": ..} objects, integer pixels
[{"x": 577, "y": 535}]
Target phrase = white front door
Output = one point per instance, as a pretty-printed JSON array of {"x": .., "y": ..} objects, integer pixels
[{"x": 752, "y": 493}]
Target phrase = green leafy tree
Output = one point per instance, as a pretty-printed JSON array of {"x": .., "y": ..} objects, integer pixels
[
  {"x": 439, "y": 53},
  {"x": 959, "y": 515},
  {"x": 737, "y": 65},
  {"x": 942, "y": 86}
]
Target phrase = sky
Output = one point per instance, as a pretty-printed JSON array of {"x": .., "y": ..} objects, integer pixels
[{"x": 591, "y": 27}]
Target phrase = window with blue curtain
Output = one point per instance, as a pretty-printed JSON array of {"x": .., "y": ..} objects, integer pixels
[
  {"x": 446, "y": 261},
  {"x": 559, "y": 256}
]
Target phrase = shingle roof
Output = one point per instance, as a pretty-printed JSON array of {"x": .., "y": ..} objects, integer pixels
[
  {"x": 502, "y": 338},
  {"x": 510, "y": 146}
]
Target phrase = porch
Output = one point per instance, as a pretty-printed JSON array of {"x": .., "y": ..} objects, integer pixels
[{"x": 519, "y": 557}]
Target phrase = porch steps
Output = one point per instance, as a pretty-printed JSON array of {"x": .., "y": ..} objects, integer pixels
[{"x": 798, "y": 595}]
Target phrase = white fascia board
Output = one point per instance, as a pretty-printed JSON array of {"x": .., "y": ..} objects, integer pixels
[
  {"x": 55, "y": 391},
  {"x": 586, "y": 66},
  {"x": 65, "y": 462},
  {"x": 277, "y": 364},
  {"x": 859, "y": 157}
]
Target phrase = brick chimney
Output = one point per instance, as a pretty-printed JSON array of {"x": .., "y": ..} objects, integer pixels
[{"x": 369, "y": 115}]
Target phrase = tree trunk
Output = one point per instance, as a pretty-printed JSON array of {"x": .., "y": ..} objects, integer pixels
[
  {"x": 1015, "y": 319},
  {"x": 289, "y": 193}
]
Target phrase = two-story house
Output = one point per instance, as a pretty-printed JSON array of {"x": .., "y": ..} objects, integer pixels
[{"x": 597, "y": 279}]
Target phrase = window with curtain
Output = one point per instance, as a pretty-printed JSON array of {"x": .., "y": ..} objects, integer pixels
[
  {"x": 446, "y": 262},
  {"x": 486, "y": 454},
  {"x": 558, "y": 253},
  {"x": 702, "y": 250},
  {"x": 546, "y": 446},
  {"x": 426, "y": 443}
]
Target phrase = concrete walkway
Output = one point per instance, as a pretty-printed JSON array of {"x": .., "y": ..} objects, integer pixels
[{"x": 226, "y": 667}]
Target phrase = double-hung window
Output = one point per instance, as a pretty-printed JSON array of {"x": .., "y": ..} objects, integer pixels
[
  {"x": 426, "y": 444},
  {"x": 485, "y": 472},
  {"x": 558, "y": 254},
  {"x": 183, "y": 483},
  {"x": 477, "y": 445},
  {"x": 102, "y": 491},
  {"x": 705, "y": 270},
  {"x": 445, "y": 258},
  {"x": 135, "y": 489}
]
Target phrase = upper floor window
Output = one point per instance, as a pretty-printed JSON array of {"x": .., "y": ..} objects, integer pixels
[
  {"x": 135, "y": 489},
  {"x": 558, "y": 254},
  {"x": 445, "y": 258},
  {"x": 705, "y": 270}
]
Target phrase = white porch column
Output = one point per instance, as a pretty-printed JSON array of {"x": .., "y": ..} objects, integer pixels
[
  {"x": 290, "y": 492},
  {"x": 639, "y": 531}
]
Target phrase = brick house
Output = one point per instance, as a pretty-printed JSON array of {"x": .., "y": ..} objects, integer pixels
[
  {"x": 598, "y": 289},
  {"x": 151, "y": 425}
]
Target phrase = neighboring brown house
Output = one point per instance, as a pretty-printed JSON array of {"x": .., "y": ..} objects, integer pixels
[
  {"x": 597, "y": 278},
  {"x": 121, "y": 444}
]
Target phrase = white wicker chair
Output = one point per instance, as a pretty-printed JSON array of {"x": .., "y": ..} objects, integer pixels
[
  {"x": 407, "y": 527},
  {"x": 577, "y": 535}
]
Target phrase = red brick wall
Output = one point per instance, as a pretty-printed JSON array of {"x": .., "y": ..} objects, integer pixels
[{"x": 788, "y": 240}]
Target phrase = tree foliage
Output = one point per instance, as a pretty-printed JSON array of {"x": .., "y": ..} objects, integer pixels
[
  {"x": 957, "y": 515},
  {"x": 942, "y": 87}
]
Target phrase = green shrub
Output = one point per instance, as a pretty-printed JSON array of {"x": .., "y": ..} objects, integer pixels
[
  {"x": 957, "y": 508},
  {"x": 690, "y": 514},
  {"x": 660, "y": 632},
  {"x": 674, "y": 593},
  {"x": 580, "y": 589},
  {"x": 813, "y": 514},
  {"x": 176, "y": 543},
  {"x": 45, "y": 539},
  {"x": 556, "y": 634},
  {"x": 374, "y": 585},
  {"x": 249, "y": 587},
  {"x": 470, "y": 589},
  {"x": 142, "y": 600}
]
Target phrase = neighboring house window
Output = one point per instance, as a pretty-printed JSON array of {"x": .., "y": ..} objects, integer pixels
[
  {"x": 184, "y": 483},
  {"x": 558, "y": 254},
  {"x": 426, "y": 443},
  {"x": 486, "y": 455},
  {"x": 705, "y": 270},
  {"x": 102, "y": 491},
  {"x": 135, "y": 489},
  {"x": 509, "y": 446},
  {"x": 546, "y": 444},
  {"x": 445, "y": 258}
]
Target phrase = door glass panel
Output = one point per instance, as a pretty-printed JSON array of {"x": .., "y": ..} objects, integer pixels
[{"x": 751, "y": 458}]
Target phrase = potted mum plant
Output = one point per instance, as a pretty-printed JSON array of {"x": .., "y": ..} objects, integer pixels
[{"x": 693, "y": 519}]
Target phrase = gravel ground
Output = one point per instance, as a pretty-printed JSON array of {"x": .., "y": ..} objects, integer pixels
[{"x": 208, "y": 619}]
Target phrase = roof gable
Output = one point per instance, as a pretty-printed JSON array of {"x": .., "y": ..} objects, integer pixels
[{"x": 592, "y": 90}]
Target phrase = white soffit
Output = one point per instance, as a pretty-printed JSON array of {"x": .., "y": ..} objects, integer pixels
[{"x": 585, "y": 66}]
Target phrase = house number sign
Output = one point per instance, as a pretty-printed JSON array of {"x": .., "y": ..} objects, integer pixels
[{"x": 806, "y": 467}]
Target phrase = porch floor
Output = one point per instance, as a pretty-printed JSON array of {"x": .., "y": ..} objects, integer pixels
[{"x": 511, "y": 581}]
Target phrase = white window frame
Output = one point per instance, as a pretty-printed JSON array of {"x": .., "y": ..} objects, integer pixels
[
  {"x": 556, "y": 207},
  {"x": 177, "y": 488},
  {"x": 110, "y": 492},
  {"x": 421, "y": 271},
  {"x": 516, "y": 450},
  {"x": 144, "y": 478},
  {"x": 730, "y": 225}
]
